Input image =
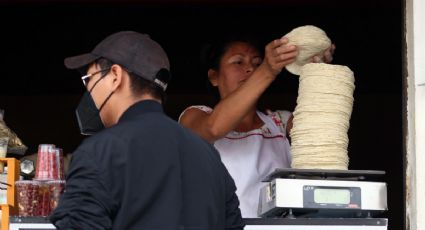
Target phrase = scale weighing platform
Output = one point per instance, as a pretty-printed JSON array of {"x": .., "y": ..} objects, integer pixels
[{"x": 302, "y": 193}]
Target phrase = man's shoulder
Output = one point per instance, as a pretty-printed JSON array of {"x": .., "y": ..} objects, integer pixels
[
  {"x": 106, "y": 134},
  {"x": 99, "y": 142}
]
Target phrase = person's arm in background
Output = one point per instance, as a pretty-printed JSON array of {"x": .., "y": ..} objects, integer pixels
[{"x": 228, "y": 113}]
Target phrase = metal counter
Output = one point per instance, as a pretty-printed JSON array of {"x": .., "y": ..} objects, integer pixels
[
  {"x": 40, "y": 223},
  {"x": 316, "y": 224}
]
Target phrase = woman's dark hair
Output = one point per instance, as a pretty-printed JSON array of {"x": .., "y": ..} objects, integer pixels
[
  {"x": 212, "y": 53},
  {"x": 139, "y": 85}
]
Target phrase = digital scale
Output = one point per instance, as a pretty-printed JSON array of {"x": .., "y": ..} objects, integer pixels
[{"x": 315, "y": 193}]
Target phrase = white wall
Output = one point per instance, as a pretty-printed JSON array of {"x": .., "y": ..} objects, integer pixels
[{"x": 415, "y": 181}]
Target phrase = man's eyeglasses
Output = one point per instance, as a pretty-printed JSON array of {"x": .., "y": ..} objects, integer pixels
[{"x": 86, "y": 78}]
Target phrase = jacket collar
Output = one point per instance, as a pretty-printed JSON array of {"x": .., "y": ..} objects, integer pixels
[{"x": 141, "y": 107}]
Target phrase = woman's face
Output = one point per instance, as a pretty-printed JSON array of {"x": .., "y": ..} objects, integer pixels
[{"x": 236, "y": 66}]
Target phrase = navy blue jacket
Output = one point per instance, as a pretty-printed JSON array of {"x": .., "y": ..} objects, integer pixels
[{"x": 147, "y": 172}]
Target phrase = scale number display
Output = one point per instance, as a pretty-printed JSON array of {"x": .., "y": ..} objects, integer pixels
[{"x": 331, "y": 197}]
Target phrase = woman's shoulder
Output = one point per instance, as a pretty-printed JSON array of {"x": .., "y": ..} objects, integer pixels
[{"x": 203, "y": 108}]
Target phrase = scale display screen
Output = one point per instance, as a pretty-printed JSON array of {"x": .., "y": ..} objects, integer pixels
[{"x": 331, "y": 196}]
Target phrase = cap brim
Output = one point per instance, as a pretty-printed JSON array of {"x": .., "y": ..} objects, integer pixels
[{"x": 79, "y": 61}]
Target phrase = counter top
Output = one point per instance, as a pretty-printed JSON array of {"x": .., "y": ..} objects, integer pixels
[{"x": 29, "y": 223}]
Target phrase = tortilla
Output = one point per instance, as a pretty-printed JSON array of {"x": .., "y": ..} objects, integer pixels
[{"x": 311, "y": 41}]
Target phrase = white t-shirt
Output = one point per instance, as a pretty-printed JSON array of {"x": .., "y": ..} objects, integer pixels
[{"x": 251, "y": 156}]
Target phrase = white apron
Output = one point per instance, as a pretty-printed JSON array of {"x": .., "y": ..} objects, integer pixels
[{"x": 250, "y": 157}]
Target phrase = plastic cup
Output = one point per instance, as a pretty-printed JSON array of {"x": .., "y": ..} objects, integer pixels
[
  {"x": 28, "y": 197},
  {"x": 58, "y": 164},
  {"x": 33, "y": 198},
  {"x": 4, "y": 141},
  {"x": 44, "y": 167},
  {"x": 56, "y": 188},
  {"x": 50, "y": 163},
  {"x": 43, "y": 200}
]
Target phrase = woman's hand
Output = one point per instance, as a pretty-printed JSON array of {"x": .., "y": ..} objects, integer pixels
[{"x": 278, "y": 54}]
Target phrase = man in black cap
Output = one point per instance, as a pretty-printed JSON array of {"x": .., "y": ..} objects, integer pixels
[{"x": 144, "y": 171}]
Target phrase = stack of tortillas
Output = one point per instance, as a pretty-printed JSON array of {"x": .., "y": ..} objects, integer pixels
[{"x": 322, "y": 116}]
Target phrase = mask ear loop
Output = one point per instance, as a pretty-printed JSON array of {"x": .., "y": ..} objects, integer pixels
[
  {"x": 104, "y": 102},
  {"x": 101, "y": 77},
  {"x": 109, "y": 96}
]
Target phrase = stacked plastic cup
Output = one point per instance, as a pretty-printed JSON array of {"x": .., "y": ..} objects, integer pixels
[
  {"x": 50, "y": 163},
  {"x": 28, "y": 197},
  {"x": 56, "y": 188},
  {"x": 43, "y": 170},
  {"x": 40, "y": 196},
  {"x": 33, "y": 198},
  {"x": 43, "y": 200},
  {"x": 60, "y": 164}
]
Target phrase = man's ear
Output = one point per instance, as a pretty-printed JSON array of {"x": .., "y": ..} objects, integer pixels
[
  {"x": 117, "y": 73},
  {"x": 213, "y": 77}
]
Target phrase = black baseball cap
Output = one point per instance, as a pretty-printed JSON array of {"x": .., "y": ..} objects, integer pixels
[{"x": 136, "y": 52}]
